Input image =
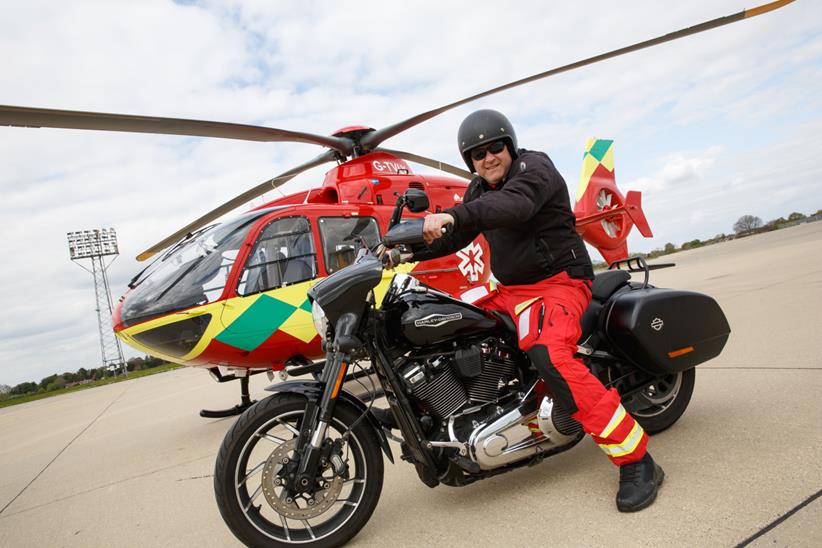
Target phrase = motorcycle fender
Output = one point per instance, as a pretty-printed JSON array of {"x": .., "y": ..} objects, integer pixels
[{"x": 313, "y": 390}]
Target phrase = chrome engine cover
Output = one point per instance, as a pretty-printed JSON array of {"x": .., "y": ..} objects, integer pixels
[{"x": 527, "y": 428}]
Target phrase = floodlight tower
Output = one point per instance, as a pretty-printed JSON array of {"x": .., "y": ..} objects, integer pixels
[{"x": 96, "y": 245}]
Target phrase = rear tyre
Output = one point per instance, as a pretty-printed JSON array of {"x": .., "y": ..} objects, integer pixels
[
  {"x": 659, "y": 405},
  {"x": 253, "y": 464}
]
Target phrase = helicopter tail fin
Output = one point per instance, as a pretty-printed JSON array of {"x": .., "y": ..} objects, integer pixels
[
  {"x": 604, "y": 216},
  {"x": 597, "y": 165},
  {"x": 633, "y": 207}
]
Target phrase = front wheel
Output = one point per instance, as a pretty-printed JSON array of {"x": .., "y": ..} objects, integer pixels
[
  {"x": 259, "y": 452},
  {"x": 660, "y": 404}
]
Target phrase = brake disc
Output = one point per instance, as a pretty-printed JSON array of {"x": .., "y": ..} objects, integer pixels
[{"x": 301, "y": 506}]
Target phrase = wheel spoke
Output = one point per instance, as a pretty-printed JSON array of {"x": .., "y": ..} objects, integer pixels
[
  {"x": 253, "y": 471},
  {"x": 289, "y": 427},
  {"x": 269, "y": 437},
  {"x": 254, "y": 496},
  {"x": 346, "y": 502},
  {"x": 309, "y": 529},
  {"x": 285, "y": 527},
  {"x": 353, "y": 480}
]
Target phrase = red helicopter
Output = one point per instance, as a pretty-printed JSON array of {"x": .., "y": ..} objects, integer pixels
[{"x": 233, "y": 294}]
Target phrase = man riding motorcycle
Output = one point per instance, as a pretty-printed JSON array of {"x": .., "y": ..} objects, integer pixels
[{"x": 520, "y": 203}]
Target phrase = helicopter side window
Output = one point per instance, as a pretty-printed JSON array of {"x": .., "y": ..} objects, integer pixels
[
  {"x": 343, "y": 236},
  {"x": 284, "y": 254}
]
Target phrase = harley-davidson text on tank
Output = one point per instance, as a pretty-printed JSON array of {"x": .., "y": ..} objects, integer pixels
[{"x": 436, "y": 320}]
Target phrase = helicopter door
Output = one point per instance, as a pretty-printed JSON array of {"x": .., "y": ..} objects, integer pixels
[
  {"x": 282, "y": 255},
  {"x": 271, "y": 308},
  {"x": 342, "y": 237}
]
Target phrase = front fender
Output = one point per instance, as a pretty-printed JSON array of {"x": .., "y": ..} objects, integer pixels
[{"x": 314, "y": 390}]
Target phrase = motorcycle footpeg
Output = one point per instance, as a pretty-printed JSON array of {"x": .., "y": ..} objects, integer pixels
[{"x": 466, "y": 464}]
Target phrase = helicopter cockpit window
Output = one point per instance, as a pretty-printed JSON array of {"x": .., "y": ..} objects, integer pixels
[
  {"x": 191, "y": 273},
  {"x": 343, "y": 236},
  {"x": 284, "y": 254}
]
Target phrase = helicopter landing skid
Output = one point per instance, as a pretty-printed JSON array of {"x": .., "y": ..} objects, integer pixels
[{"x": 245, "y": 403}]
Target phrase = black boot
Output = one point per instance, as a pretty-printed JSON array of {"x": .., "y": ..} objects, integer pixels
[{"x": 638, "y": 484}]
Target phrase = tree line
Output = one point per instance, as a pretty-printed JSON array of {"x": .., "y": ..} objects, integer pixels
[
  {"x": 69, "y": 379},
  {"x": 744, "y": 226}
]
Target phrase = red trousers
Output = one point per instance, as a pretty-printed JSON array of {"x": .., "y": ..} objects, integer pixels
[{"x": 548, "y": 315}]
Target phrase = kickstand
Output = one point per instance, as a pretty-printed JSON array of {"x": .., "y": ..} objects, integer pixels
[{"x": 245, "y": 403}]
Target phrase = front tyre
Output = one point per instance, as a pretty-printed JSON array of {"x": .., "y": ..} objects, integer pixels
[
  {"x": 253, "y": 463},
  {"x": 660, "y": 404}
]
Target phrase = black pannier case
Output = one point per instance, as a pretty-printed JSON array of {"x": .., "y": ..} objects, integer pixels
[{"x": 665, "y": 331}]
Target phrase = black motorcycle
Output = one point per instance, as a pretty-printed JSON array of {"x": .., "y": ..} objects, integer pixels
[{"x": 303, "y": 466}]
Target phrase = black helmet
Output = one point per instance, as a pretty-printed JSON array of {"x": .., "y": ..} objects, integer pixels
[{"x": 484, "y": 126}]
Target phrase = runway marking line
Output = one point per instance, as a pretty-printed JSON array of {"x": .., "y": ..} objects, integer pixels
[
  {"x": 100, "y": 414},
  {"x": 780, "y": 519}
]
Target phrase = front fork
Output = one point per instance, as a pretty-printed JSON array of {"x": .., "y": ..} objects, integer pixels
[{"x": 318, "y": 414}]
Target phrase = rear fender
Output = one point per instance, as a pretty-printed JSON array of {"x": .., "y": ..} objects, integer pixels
[{"x": 314, "y": 390}]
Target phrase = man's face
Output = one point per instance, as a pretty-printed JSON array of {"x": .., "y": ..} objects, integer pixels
[{"x": 493, "y": 166}]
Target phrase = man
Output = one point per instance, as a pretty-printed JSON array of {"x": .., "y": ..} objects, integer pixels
[{"x": 520, "y": 203}]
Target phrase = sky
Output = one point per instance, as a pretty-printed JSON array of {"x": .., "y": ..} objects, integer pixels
[{"x": 709, "y": 127}]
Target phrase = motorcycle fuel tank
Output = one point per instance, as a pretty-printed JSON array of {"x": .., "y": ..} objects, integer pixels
[{"x": 432, "y": 317}]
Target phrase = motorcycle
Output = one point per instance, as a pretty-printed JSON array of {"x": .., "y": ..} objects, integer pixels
[{"x": 303, "y": 466}]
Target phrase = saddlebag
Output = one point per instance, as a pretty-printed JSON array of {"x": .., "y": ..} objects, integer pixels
[{"x": 665, "y": 331}]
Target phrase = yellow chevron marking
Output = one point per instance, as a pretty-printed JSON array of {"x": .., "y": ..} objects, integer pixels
[
  {"x": 300, "y": 326},
  {"x": 608, "y": 159},
  {"x": 589, "y": 164}
]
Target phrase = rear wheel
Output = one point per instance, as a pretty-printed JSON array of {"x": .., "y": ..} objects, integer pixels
[
  {"x": 660, "y": 404},
  {"x": 254, "y": 463}
]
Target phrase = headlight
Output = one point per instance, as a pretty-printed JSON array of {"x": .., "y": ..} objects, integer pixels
[{"x": 320, "y": 321}]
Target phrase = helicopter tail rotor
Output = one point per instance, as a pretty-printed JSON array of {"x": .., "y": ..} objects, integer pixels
[{"x": 604, "y": 217}]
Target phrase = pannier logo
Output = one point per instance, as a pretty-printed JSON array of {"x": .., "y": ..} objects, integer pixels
[
  {"x": 657, "y": 324},
  {"x": 436, "y": 320}
]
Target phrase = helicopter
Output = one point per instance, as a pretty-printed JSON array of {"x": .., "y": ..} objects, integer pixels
[{"x": 233, "y": 294}]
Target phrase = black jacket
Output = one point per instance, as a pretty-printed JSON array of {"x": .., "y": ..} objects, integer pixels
[{"x": 527, "y": 220}]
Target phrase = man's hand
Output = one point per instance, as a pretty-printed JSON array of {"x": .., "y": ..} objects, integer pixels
[
  {"x": 432, "y": 228},
  {"x": 391, "y": 259}
]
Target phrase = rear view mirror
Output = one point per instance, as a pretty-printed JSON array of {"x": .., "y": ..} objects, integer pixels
[{"x": 416, "y": 200}]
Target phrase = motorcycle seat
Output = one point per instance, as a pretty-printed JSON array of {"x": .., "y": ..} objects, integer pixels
[{"x": 607, "y": 282}]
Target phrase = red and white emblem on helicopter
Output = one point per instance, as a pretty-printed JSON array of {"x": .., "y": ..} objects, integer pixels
[{"x": 471, "y": 264}]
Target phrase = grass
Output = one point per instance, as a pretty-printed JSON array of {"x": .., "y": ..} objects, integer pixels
[{"x": 14, "y": 400}]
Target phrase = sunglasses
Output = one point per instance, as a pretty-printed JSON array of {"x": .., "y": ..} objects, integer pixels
[{"x": 496, "y": 147}]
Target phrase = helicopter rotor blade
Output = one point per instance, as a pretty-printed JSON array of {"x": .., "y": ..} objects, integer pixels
[
  {"x": 374, "y": 139},
  {"x": 436, "y": 164},
  {"x": 237, "y": 201},
  {"x": 72, "y": 119}
]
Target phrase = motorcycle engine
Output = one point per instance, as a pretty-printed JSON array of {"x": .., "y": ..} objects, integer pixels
[
  {"x": 471, "y": 375},
  {"x": 497, "y": 421}
]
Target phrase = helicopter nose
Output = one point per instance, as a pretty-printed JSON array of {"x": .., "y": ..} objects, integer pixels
[{"x": 175, "y": 338}]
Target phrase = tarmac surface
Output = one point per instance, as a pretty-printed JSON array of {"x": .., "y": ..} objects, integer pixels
[{"x": 131, "y": 464}]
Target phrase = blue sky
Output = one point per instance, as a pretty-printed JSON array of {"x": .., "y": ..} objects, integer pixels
[{"x": 709, "y": 127}]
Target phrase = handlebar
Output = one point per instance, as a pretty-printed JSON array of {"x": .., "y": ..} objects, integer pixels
[{"x": 409, "y": 233}]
